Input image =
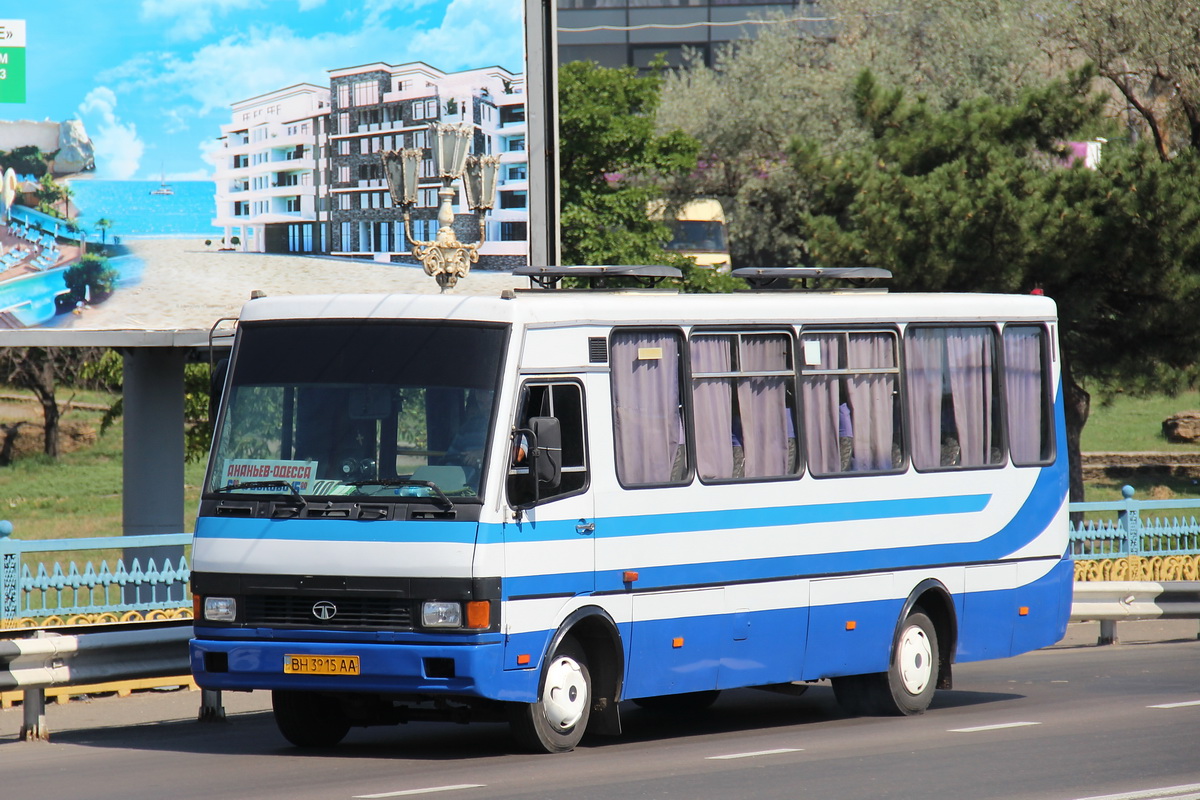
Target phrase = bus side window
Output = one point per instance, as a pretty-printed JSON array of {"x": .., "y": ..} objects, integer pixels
[
  {"x": 564, "y": 402},
  {"x": 852, "y": 402},
  {"x": 743, "y": 385},
  {"x": 1028, "y": 395},
  {"x": 953, "y": 396},
  {"x": 647, "y": 387}
]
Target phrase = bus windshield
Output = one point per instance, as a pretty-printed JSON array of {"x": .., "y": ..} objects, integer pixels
[{"x": 389, "y": 410}]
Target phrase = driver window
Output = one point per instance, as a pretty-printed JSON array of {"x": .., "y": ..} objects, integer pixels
[{"x": 563, "y": 401}]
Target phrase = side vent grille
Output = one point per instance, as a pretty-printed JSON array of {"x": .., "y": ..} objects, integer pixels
[{"x": 597, "y": 350}]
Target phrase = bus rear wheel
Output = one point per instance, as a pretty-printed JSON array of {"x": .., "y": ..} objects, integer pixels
[
  {"x": 907, "y": 687},
  {"x": 557, "y": 721},
  {"x": 308, "y": 719}
]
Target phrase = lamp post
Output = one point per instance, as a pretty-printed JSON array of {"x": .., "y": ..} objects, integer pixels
[{"x": 445, "y": 258}]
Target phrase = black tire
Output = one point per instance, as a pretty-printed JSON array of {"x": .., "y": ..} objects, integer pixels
[
  {"x": 686, "y": 703},
  {"x": 557, "y": 721},
  {"x": 908, "y": 686},
  {"x": 855, "y": 694},
  {"x": 309, "y": 719}
]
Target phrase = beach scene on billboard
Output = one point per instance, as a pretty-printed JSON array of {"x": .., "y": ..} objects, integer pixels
[{"x": 161, "y": 161}]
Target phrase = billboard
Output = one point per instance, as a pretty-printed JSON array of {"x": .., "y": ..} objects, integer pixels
[{"x": 159, "y": 161}]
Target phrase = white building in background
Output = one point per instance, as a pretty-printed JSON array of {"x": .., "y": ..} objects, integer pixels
[
  {"x": 377, "y": 107},
  {"x": 300, "y": 170},
  {"x": 268, "y": 188}
]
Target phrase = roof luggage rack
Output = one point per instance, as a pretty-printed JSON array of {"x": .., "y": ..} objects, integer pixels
[
  {"x": 763, "y": 279},
  {"x": 648, "y": 275}
]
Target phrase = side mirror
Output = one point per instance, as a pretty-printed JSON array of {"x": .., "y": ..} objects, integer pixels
[{"x": 545, "y": 457}]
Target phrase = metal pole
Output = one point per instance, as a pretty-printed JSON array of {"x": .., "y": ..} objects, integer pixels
[
  {"x": 541, "y": 113},
  {"x": 33, "y": 707}
]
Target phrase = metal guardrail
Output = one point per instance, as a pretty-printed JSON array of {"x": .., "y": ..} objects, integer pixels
[
  {"x": 52, "y": 659},
  {"x": 1113, "y": 601}
]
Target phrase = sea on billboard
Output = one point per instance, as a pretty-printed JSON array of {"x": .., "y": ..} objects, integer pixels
[{"x": 192, "y": 166}]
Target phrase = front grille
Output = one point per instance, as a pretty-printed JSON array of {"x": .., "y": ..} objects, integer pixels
[{"x": 372, "y": 613}]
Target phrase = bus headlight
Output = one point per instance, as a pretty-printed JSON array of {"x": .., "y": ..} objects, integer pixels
[
  {"x": 437, "y": 614},
  {"x": 220, "y": 609}
]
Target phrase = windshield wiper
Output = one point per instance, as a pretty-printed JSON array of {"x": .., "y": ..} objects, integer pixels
[
  {"x": 437, "y": 490},
  {"x": 255, "y": 486}
]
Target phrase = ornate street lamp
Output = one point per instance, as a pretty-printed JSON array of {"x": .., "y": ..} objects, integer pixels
[{"x": 445, "y": 258}]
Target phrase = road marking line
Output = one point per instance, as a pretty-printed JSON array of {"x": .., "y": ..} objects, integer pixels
[
  {"x": 993, "y": 727},
  {"x": 1177, "y": 705},
  {"x": 756, "y": 753},
  {"x": 430, "y": 790},
  {"x": 1174, "y": 792}
]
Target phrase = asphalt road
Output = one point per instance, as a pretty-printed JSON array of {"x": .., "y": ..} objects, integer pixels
[{"x": 1069, "y": 722}]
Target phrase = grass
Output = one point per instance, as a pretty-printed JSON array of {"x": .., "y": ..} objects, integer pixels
[
  {"x": 1134, "y": 424},
  {"x": 80, "y": 494}
]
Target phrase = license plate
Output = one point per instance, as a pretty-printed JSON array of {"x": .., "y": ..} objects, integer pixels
[{"x": 320, "y": 665}]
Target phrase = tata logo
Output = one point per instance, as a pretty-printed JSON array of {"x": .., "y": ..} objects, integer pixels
[{"x": 324, "y": 610}]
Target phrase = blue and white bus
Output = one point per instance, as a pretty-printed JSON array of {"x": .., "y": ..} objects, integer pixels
[{"x": 536, "y": 505}]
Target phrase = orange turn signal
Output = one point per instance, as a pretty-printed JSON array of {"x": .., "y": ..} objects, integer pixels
[
  {"x": 1023, "y": 611},
  {"x": 629, "y": 576},
  {"x": 851, "y": 624},
  {"x": 479, "y": 614},
  {"x": 522, "y": 659},
  {"x": 677, "y": 642},
  {"x": 196, "y": 606}
]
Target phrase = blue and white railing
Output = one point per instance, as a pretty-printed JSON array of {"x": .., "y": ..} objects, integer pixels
[
  {"x": 1145, "y": 528},
  {"x": 43, "y": 586}
]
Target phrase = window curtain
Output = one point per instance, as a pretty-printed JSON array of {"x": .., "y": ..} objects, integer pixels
[
  {"x": 820, "y": 397},
  {"x": 871, "y": 404},
  {"x": 713, "y": 406},
  {"x": 762, "y": 401},
  {"x": 923, "y": 351},
  {"x": 969, "y": 352},
  {"x": 1023, "y": 390},
  {"x": 647, "y": 420}
]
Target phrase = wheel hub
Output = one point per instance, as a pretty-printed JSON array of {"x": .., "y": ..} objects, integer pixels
[
  {"x": 915, "y": 659},
  {"x": 564, "y": 697}
]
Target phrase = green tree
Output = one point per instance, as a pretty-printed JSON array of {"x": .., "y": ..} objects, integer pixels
[
  {"x": 613, "y": 166},
  {"x": 92, "y": 276},
  {"x": 796, "y": 78},
  {"x": 27, "y": 160},
  {"x": 970, "y": 199},
  {"x": 42, "y": 370},
  {"x": 610, "y": 164},
  {"x": 104, "y": 224},
  {"x": 106, "y": 370},
  {"x": 1149, "y": 55}
]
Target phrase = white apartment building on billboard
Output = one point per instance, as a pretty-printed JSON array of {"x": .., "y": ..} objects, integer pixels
[
  {"x": 343, "y": 206},
  {"x": 268, "y": 171}
]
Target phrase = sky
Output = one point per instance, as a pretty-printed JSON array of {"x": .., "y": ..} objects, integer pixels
[{"x": 153, "y": 80}]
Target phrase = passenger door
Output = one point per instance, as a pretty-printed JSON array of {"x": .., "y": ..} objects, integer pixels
[{"x": 550, "y": 550}]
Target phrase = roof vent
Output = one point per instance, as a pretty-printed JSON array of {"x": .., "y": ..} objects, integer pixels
[
  {"x": 647, "y": 275},
  {"x": 762, "y": 279}
]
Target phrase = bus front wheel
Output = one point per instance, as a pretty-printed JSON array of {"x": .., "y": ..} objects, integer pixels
[
  {"x": 907, "y": 687},
  {"x": 307, "y": 719},
  {"x": 557, "y": 721}
]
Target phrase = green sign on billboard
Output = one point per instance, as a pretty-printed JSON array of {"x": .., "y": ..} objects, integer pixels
[{"x": 12, "y": 61}]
